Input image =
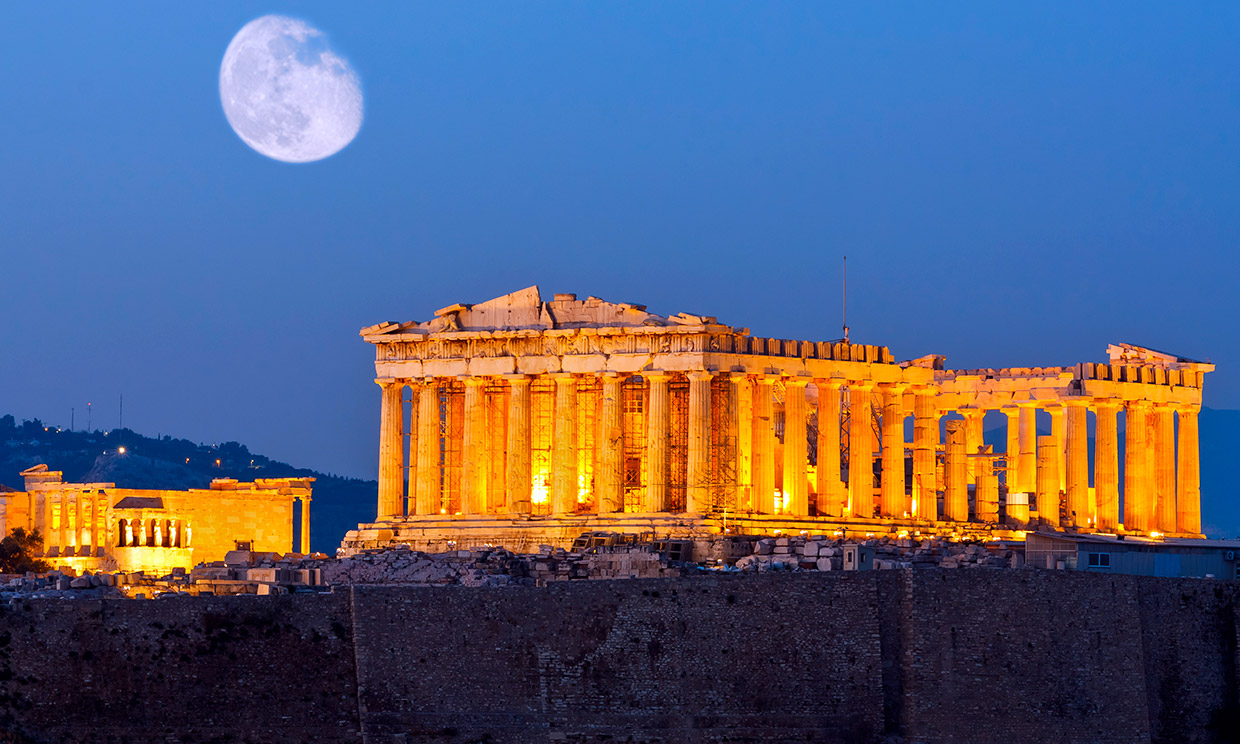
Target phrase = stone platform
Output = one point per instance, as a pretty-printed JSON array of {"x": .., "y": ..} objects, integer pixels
[{"x": 439, "y": 533}]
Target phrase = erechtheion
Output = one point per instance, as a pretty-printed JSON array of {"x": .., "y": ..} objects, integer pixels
[{"x": 530, "y": 420}]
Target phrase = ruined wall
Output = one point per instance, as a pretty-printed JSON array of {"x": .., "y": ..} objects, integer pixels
[
  {"x": 935, "y": 656},
  {"x": 219, "y": 518}
]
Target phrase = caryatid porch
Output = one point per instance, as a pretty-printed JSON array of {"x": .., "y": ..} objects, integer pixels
[{"x": 591, "y": 412}]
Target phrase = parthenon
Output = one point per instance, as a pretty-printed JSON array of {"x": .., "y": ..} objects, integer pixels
[{"x": 532, "y": 419}]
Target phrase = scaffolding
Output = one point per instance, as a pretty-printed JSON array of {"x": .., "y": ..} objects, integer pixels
[{"x": 633, "y": 424}]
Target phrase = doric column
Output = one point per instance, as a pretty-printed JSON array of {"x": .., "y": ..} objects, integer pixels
[
  {"x": 517, "y": 457},
  {"x": 609, "y": 474},
  {"x": 734, "y": 494},
  {"x": 1136, "y": 481},
  {"x": 1077, "y": 463},
  {"x": 796, "y": 485},
  {"x": 657, "y": 433},
  {"x": 892, "y": 502},
  {"x": 744, "y": 441},
  {"x": 391, "y": 451},
  {"x": 1011, "y": 453},
  {"x": 1106, "y": 465},
  {"x": 860, "y": 452},
  {"x": 987, "y": 494},
  {"x": 564, "y": 485},
  {"x": 1047, "y": 485},
  {"x": 956, "y": 494},
  {"x": 1059, "y": 432},
  {"x": 697, "y": 493},
  {"x": 925, "y": 446},
  {"x": 763, "y": 446},
  {"x": 99, "y": 523},
  {"x": 973, "y": 438},
  {"x": 305, "y": 525},
  {"x": 1028, "y": 447},
  {"x": 1164, "y": 468},
  {"x": 1188, "y": 481},
  {"x": 831, "y": 495},
  {"x": 473, "y": 445},
  {"x": 429, "y": 494}
]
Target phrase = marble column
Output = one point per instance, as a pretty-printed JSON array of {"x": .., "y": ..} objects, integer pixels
[
  {"x": 1106, "y": 466},
  {"x": 744, "y": 441},
  {"x": 391, "y": 451},
  {"x": 1188, "y": 480},
  {"x": 99, "y": 523},
  {"x": 473, "y": 445},
  {"x": 973, "y": 439},
  {"x": 1060, "y": 432},
  {"x": 832, "y": 497},
  {"x": 305, "y": 525},
  {"x": 564, "y": 486},
  {"x": 1077, "y": 463},
  {"x": 987, "y": 494},
  {"x": 1136, "y": 480},
  {"x": 697, "y": 492},
  {"x": 1047, "y": 480},
  {"x": 1164, "y": 469},
  {"x": 892, "y": 502},
  {"x": 1028, "y": 447},
  {"x": 925, "y": 447},
  {"x": 763, "y": 446},
  {"x": 956, "y": 493},
  {"x": 609, "y": 477},
  {"x": 796, "y": 445},
  {"x": 63, "y": 537},
  {"x": 517, "y": 458},
  {"x": 860, "y": 452},
  {"x": 1011, "y": 454},
  {"x": 428, "y": 492},
  {"x": 79, "y": 500},
  {"x": 658, "y": 430}
]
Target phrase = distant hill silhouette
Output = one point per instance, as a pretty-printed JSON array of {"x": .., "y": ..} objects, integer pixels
[
  {"x": 341, "y": 503},
  {"x": 338, "y": 503}
]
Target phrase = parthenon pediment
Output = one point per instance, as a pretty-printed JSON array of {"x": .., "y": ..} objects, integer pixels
[{"x": 526, "y": 310}]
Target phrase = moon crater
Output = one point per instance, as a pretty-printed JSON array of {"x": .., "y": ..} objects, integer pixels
[{"x": 286, "y": 93}]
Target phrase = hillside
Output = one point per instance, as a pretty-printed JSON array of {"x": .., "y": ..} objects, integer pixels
[{"x": 338, "y": 503}]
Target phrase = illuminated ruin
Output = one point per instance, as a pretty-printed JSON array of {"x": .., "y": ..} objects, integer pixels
[
  {"x": 529, "y": 421},
  {"x": 97, "y": 526}
]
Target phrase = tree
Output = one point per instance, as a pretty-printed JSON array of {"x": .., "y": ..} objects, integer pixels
[{"x": 18, "y": 551}]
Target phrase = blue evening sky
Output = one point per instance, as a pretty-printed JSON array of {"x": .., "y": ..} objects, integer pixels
[{"x": 1012, "y": 185}]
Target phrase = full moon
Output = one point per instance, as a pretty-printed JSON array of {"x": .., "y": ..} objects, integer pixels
[{"x": 286, "y": 93}]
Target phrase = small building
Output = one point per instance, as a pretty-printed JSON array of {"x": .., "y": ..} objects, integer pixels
[
  {"x": 97, "y": 526},
  {"x": 1130, "y": 554}
]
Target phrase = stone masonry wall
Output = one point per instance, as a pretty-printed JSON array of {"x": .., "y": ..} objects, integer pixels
[{"x": 930, "y": 655}]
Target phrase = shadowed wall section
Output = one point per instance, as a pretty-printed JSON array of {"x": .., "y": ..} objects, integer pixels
[{"x": 935, "y": 656}]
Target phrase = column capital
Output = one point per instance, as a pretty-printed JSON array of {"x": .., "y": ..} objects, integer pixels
[
  {"x": 607, "y": 374},
  {"x": 1108, "y": 404},
  {"x": 472, "y": 381},
  {"x": 862, "y": 384},
  {"x": 697, "y": 375},
  {"x": 655, "y": 374},
  {"x": 1186, "y": 408},
  {"x": 1076, "y": 402},
  {"x": 798, "y": 381},
  {"x": 833, "y": 382},
  {"x": 386, "y": 382},
  {"x": 517, "y": 379},
  {"x": 563, "y": 377}
]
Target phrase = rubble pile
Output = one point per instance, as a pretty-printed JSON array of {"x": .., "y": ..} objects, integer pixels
[
  {"x": 831, "y": 554},
  {"x": 58, "y": 585},
  {"x": 494, "y": 566}
]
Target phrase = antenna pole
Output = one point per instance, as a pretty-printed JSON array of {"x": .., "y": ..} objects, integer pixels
[
  {"x": 88, "y": 424},
  {"x": 844, "y": 300}
]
